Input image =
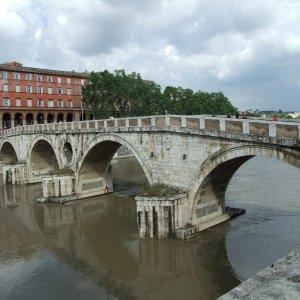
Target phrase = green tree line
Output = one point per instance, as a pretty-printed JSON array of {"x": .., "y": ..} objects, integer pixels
[{"x": 119, "y": 94}]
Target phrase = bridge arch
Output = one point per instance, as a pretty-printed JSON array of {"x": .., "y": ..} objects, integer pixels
[
  {"x": 210, "y": 183},
  {"x": 95, "y": 160},
  {"x": 7, "y": 152},
  {"x": 42, "y": 158}
]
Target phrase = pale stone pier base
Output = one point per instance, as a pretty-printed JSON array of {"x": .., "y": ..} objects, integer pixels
[
  {"x": 160, "y": 217},
  {"x": 165, "y": 217},
  {"x": 58, "y": 188},
  {"x": 62, "y": 188},
  {"x": 14, "y": 174}
]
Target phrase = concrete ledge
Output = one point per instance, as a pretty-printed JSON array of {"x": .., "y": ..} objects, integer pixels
[
  {"x": 161, "y": 199},
  {"x": 230, "y": 213},
  {"x": 187, "y": 233},
  {"x": 280, "y": 281},
  {"x": 60, "y": 200}
]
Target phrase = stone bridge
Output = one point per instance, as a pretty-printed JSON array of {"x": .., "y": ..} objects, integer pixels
[{"x": 197, "y": 155}]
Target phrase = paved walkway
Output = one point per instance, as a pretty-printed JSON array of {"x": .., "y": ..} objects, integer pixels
[{"x": 280, "y": 281}]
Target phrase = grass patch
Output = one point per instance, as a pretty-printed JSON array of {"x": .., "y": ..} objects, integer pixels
[
  {"x": 158, "y": 190},
  {"x": 64, "y": 171},
  {"x": 14, "y": 162}
]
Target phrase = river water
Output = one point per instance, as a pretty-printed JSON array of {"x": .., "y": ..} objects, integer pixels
[{"x": 90, "y": 250}]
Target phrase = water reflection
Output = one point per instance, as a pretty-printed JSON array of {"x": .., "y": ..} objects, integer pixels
[
  {"x": 89, "y": 249},
  {"x": 94, "y": 244}
]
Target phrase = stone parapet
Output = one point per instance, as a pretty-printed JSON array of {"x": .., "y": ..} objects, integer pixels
[
  {"x": 242, "y": 129},
  {"x": 279, "y": 281}
]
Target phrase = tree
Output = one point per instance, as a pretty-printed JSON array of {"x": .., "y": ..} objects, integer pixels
[
  {"x": 121, "y": 95},
  {"x": 98, "y": 94},
  {"x": 126, "y": 95}
]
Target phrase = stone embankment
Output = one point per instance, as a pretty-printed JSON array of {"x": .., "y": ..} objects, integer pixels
[{"x": 279, "y": 281}]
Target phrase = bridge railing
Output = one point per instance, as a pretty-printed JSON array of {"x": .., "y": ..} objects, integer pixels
[{"x": 242, "y": 126}]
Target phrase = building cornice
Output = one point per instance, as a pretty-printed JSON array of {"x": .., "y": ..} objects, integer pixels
[{"x": 21, "y": 69}]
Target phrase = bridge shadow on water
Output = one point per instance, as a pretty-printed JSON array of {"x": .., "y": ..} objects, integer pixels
[{"x": 90, "y": 249}]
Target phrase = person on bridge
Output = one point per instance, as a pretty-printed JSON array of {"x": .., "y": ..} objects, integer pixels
[{"x": 275, "y": 118}]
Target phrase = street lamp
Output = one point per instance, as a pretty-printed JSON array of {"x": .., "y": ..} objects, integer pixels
[{"x": 81, "y": 111}]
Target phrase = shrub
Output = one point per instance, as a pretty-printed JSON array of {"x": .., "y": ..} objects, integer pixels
[
  {"x": 64, "y": 171},
  {"x": 158, "y": 190}
]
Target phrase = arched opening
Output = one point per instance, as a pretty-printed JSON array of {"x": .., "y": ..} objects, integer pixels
[
  {"x": 216, "y": 172},
  {"x": 209, "y": 200},
  {"x": 68, "y": 151},
  {"x": 60, "y": 118},
  {"x": 29, "y": 119},
  {"x": 8, "y": 154},
  {"x": 6, "y": 121},
  {"x": 82, "y": 117},
  {"x": 69, "y": 117},
  {"x": 42, "y": 160},
  {"x": 50, "y": 118},
  {"x": 40, "y": 118},
  {"x": 95, "y": 175},
  {"x": 18, "y": 119}
]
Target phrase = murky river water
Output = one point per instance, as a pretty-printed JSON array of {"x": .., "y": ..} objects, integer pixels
[{"x": 90, "y": 250}]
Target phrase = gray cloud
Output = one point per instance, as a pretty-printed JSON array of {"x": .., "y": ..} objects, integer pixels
[{"x": 249, "y": 50}]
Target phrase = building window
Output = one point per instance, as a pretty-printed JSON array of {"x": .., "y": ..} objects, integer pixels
[
  {"x": 39, "y": 77},
  {"x": 5, "y": 87},
  {"x": 69, "y": 92},
  {"x": 6, "y": 102},
  {"x": 18, "y": 89},
  {"x": 60, "y": 103},
  {"x": 29, "y": 102},
  {"x": 82, "y": 81},
  {"x": 49, "y": 78},
  {"x": 40, "y": 103},
  {"x": 5, "y": 75},
  {"x": 28, "y": 89},
  {"x": 68, "y": 80},
  {"x": 39, "y": 90},
  {"x": 50, "y": 90},
  {"x": 18, "y": 102},
  {"x": 50, "y": 103},
  {"x": 59, "y": 79},
  {"x": 70, "y": 103},
  {"x": 29, "y": 77},
  {"x": 17, "y": 76},
  {"x": 59, "y": 91}
]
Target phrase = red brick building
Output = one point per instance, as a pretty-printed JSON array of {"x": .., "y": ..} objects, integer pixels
[{"x": 39, "y": 96}]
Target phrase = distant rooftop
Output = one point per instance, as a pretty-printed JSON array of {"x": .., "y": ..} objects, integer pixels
[{"x": 18, "y": 67}]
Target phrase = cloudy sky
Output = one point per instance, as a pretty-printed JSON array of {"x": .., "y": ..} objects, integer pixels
[{"x": 250, "y": 50}]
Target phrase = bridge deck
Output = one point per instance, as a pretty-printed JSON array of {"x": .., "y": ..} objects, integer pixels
[{"x": 194, "y": 124}]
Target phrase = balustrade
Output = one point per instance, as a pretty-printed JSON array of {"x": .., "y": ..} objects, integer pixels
[{"x": 290, "y": 130}]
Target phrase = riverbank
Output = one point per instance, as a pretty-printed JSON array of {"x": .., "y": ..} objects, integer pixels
[{"x": 279, "y": 281}]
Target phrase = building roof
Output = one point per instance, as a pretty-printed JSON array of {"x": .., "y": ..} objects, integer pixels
[{"x": 18, "y": 67}]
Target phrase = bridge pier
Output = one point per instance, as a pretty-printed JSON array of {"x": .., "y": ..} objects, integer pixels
[
  {"x": 63, "y": 188},
  {"x": 90, "y": 185},
  {"x": 58, "y": 186},
  {"x": 14, "y": 174},
  {"x": 160, "y": 217}
]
